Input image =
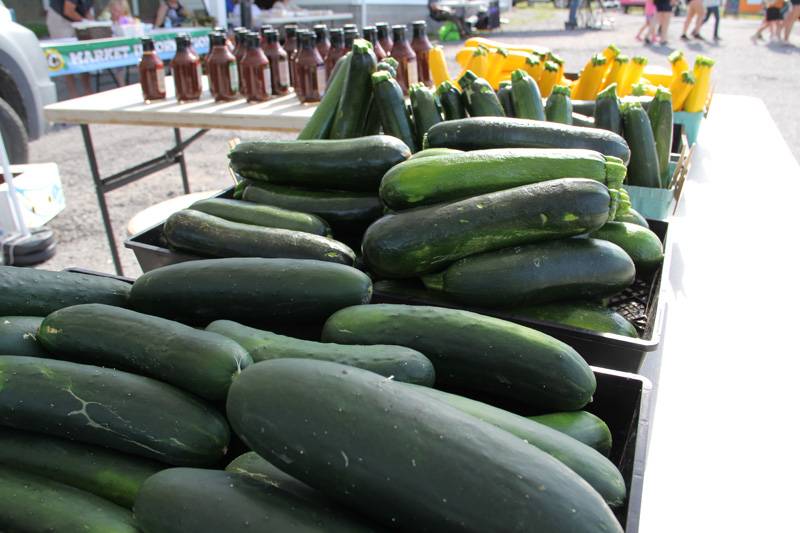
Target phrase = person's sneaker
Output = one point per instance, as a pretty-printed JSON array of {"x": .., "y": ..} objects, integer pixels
[
  {"x": 698, "y": 37},
  {"x": 717, "y": 38},
  {"x": 684, "y": 37},
  {"x": 647, "y": 40}
]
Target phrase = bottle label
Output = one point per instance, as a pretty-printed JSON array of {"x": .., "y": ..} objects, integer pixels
[
  {"x": 322, "y": 82},
  {"x": 162, "y": 87},
  {"x": 267, "y": 80},
  {"x": 233, "y": 72},
  {"x": 283, "y": 72},
  {"x": 411, "y": 72}
]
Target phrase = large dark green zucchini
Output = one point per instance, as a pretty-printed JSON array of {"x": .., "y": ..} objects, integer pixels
[
  {"x": 479, "y": 97},
  {"x": 118, "y": 410},
  {"x": 450, "y": 98},
  {"x": 196, "y": 361},
  {"x": 332, "y": 206},
  {"x": 262, "y": 215},
  {"x": 432, "y": 152},
  {"x": 632, "y": 216},
  {"x": 506, "y": 100},
  {"x": 559, "y": 106},
  {"x": 585, "y": 461},
  {"x": 580, "y": 425},
  {"x": 404, "y": 364},
  {"x": 579, "y": 314},
  {"x": 414, "y": 183},
  {"x": 111, "y": 475},
  {"x": 607, "y": 113},
  {"x": 211, "y": 236},
  {"x": 183, "y": 500},
  {"x": 641, "y": 244},
  {"x": 660, "y": 115},
  {"x": 424, "y": 109},
  {"x": 253, "y": 465},
  {"x": 31, "y": 503},
  {"x": 29, "y": 292},
  {"x": 392, "y": 453},
  {"x": 351, "y": 113},
  {"x": 474, "y": 352},
  {"x": 391, "y": 105},
  {"x": 346, "y": 164},
  {"x": 565, "y": 269},
  {"x": 18, "y": 336},
  {"x": 526, "y": 96},
  {"x": 482, "y": 133},
  {"x": 321, "y": 121},
  {"x": 643, "y": 169},
  {"x": 250, "y": 290},
  {"x": 427, "y": 239}
]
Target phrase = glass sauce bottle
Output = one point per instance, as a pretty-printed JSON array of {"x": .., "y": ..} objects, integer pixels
[
  {"x": 223, "y": 72},
  {"x": 310, "y": 72},
  {"x": 406, "y": 59},
  {"x": 371, "y": 34},
  {"x": 323, "y": 43},
  {"x": 186, "y": 71},
  {"x": 278, "y": 63},
  {"x": 349, "y": 37},
  {"x": 256, "y": 78},
  {"x": 337, "y": 50},
  {"x": 151, "y": 72},
  {"x": 291, "y": 47},
  {"x": 422, "y": 47},
  {"x": 384, "y": 37}
]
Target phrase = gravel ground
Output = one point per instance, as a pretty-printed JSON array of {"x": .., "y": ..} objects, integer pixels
[{"x": 768, "y": 71}]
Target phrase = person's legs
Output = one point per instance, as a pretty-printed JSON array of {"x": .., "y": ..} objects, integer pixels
[
  {"x": 700, "y": 15},
  {"x": 663, "y": 21},
  {"x": 573, "y": 13},
  {"x": 793, "y": 15},
  {"x": 716, "y": 22}
]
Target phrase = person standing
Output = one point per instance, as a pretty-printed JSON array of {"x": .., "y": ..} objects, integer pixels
[
  {"x": 712, "y": 8},
  {"x": 772, "y": 20},
  {"x": 171, "y": 14},
  {"x": 791, "y": 17},
  {"x": 649, "y": 23},
  {"x": 663, "y": 17},
  {"x": 694, "y": 11},
  {"x": 60, "y": 16}
]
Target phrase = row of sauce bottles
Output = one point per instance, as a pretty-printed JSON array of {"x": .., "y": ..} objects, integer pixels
[{"x": 258, "y": 68}]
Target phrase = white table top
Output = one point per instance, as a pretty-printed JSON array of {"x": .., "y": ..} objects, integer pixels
[
  {"x": 723, "y": 453},
  {"x": 126, "y": 106}
]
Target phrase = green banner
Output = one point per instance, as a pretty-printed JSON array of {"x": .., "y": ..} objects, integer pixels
[{"x": 76, "y": 57}]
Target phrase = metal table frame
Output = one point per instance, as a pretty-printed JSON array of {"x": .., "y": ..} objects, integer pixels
[{"x": 173, "y": 156}]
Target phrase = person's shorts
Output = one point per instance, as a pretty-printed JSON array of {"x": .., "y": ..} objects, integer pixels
[
  {"x": 774, "y": 13},
  {"x": 57, "y": 26},
  {"x": 663, "y": 6},
  {"x": 796, "y": 2}
]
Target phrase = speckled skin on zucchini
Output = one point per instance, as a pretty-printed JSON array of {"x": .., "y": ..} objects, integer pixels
[
  {"x": 580, "y": 425},
  {"x": 641, "y": 244},
  {"x": 427, "y": 239},
  {"x": 252, "y": 464},
  {"x": 262, "y": 215},
  {"x": 18, "y": 336},
  {"x": 118, "y": 410}
]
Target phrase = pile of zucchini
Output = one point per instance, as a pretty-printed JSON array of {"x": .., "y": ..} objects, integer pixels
[{"x": 118, "y": 404}]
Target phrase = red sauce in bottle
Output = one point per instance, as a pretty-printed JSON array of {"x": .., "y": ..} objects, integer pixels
[
  {"x": 371, "y": 34},
  {"x": 422, "y": 47},
  {"x": 240, "y": 34},
  {"x": 186, "y": 71},
  {"x": 223, "y": 72},
  {"x": 323, "y": 43},
  {"x": 406, "y": 59},
  {"x": 384, "y": 37},
  {"x": 310, "y": 80},
  {"x": 256, "y": 77},
  {"x": 151, "y": 72},
  {"x": 291, "y": 47},
  {"x": 337, "y": 50},
  {"x": 278, "y": 63},
  {"x": 349, "y": 37}
]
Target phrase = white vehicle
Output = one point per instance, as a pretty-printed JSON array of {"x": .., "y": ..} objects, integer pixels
[{"x": 25, "y": 87}]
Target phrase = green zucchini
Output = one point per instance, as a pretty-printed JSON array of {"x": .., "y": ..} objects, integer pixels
[
  {"x": 29, "y": 292},
  {"x": 474, "y": 353},
  {"x": 241, "y": 185},
  {"x": 580, "y": 425},
  {"x": 31, "y": 503},
  {"x": 253, "y": 465},
  {"x": 584, "y": 107},
  {"x": 351, "y": 114},
  {"x": 633, "y": 217},
  {"x": 390, "y": 61},
  {"x": 412, "y": 466},
  {"x": 585, "y": 461},
  {"x": 641, "y": 244},
  {"x": 111, "y": 475},
  {"x": 262, "y": 215},
  {"x": 450, "y": 98},
  {"x": 345, "y": 164},
  {"x": 660, "y": 115},
  {"x": 559, "y": 106},
  {"x": 643, "y": 169},
  {"x": 385, "y": 66},
  {"x": 582, "y": 120},
  {"x": 424, "y": 109},
  {"x": 372, "y": 123},
  {"x": 210, "y": 236},
  {"x": 392, "y": 107},
  {"x": 526, "y": 96},
  {"x": 18, "y": 336},
  {"x": 332, "y": 206},
  {"x": 196, "y": 361},
  {"x": 565, "y": 269},
  {"x": 321, "y": 121},
  {"x": 483, "y": 133},
  {"x": 463, "y": 174},
  {"x": 250, "y": 290},
  {"x": 607, "y": 114},
  {"x": 404, "y": 364},
  {"x": 479, "y": 98},
  {"x": 110, "y": 408},
  {"x": 427, "y": 239},
  {"x": 181, "y": 500},
  {"x": 506, "y": 99},
  {"x": 585, "y": 315},
  {"x": 430, "y": 152}
]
